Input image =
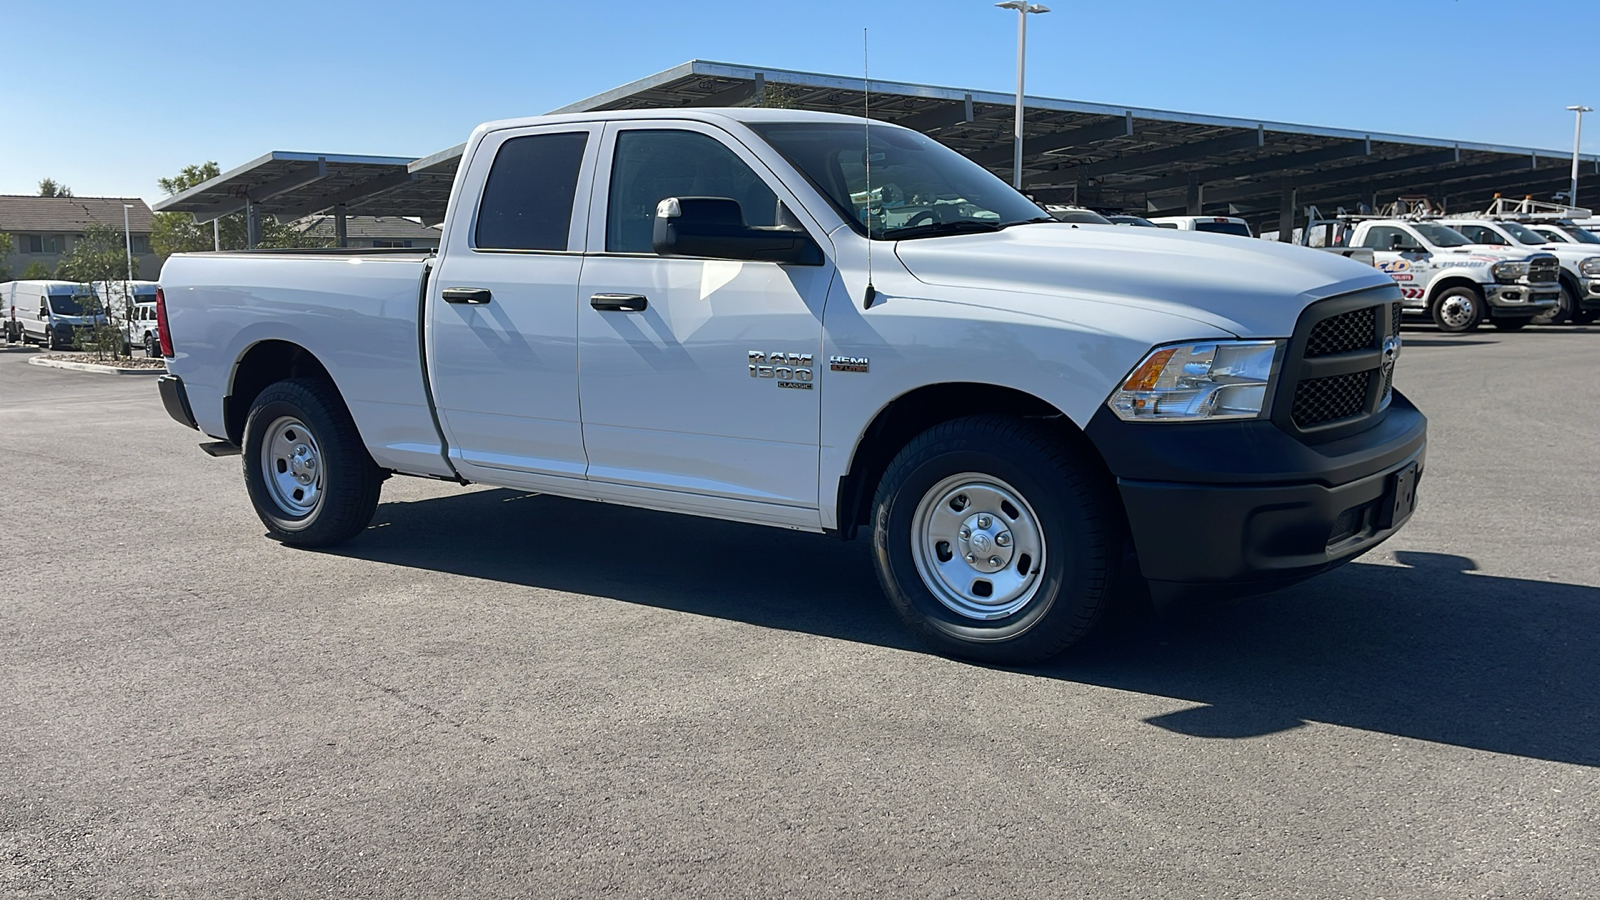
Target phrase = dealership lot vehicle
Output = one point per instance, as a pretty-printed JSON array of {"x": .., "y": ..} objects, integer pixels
[
  {"x": 1580, "y": 267},
  {"x": 48, "y": 312},
  {"x": 132, "y": 306},
  {"x": 1008, "y": 404},
  {"x": 1442, "y": 273},
  {"x": 1208, "y": 224}
]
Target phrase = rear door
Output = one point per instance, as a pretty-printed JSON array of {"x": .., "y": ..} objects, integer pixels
[
  {"x": 502, "y": 332},
  {"x": 707, "y": 384}
]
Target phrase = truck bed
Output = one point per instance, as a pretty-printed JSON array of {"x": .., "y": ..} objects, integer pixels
[{"x": 356, "y": 311}]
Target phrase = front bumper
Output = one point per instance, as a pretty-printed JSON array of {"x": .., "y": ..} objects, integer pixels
[
  {"x": 1231, "y": 509},
  {"x": 1522, "y": 299},
  {"x": 1591, "y": 296},
  {"x": 176, "y": 400}
]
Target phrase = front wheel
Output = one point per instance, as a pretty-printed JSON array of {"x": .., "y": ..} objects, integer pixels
[
  {"x": 305, "y": 467},
  {"x": 1457, "y": 310},
  {"x": 992, "y": 537}
]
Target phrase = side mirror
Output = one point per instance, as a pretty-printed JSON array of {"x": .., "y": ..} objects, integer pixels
[
  {"x": 714, "y": 227},
  {"x": 1397, "y": 242}
]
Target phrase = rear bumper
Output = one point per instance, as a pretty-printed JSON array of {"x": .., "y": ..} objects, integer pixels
[
  {"x": 1236, "y": 509},
  {"x": 176, "y": 400}
]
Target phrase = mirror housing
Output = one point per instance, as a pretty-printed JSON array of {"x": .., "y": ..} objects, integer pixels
[{"x": 714, "y": 228}]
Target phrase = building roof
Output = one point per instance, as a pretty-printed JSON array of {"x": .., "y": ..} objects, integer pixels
[
  {"x": 369, "y": 227},
  {"x": 291, "y": 185},
  {"x": 21, "y": 214}
]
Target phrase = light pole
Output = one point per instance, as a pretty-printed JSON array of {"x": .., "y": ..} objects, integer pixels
[
  {"x": 1023, "y": 8},
  {"x": 1577, "y": 134},
  {"x": 127, "y": 286}
]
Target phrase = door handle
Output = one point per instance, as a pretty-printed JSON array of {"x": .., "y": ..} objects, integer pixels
[
  {"x": 474, "y": 296},
  {"x": 619, "y": 302}
]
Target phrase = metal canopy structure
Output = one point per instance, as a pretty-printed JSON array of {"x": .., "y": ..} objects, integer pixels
[
  {"x": 1148, "y": 161},
  {"x": 289, "y": 186},
  {"x": 1140, "y": 160}
]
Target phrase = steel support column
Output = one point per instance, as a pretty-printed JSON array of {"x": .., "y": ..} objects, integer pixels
[
  {"x": 1286, "y": 214},
  {"x": 1195, "y": 197},
  {"x": 252, "y": 224},
  {"x": 339, "y": 223}
]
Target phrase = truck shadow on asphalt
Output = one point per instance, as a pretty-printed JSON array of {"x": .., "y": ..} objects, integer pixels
[{"x": 1429, "y": 649}]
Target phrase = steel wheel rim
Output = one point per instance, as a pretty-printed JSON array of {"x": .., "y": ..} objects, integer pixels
[
  {"x": 1456, "y": 311},
  {"x": 978, "y": 546},
  {"x": 291, "y": 464}
]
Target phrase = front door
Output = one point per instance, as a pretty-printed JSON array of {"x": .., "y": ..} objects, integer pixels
[
  {"x": 697, "y": 376},
  {"x": 503, "y": 305}
]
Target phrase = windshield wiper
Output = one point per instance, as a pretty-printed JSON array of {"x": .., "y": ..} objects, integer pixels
[
  {"x": 1035, "y": 221},
  {"x": 940, "y": 229}
]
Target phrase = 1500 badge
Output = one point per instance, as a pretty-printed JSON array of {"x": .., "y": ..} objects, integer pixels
[{"x": 790, "y": 370}]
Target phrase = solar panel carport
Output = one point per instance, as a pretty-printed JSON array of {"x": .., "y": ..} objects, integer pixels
[{"x": 1111, "y": 157}]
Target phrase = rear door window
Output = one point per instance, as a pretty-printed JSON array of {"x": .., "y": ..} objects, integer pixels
[{"x": 528, "y": 196}]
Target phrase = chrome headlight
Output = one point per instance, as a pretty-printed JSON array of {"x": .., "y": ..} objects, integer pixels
[
  {"x": 1201, "y": 381},
  {"x": 1590, "y": 267},
  {"x": 1509, "y": 271}
]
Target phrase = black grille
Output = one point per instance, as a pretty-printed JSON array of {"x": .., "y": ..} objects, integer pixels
[
  {"x": 1544, "y": 270},
  {"x": 1354, "y": 330},
  {"x": 1320, "y": 400},
  {"x": 1395, "y": 312}
]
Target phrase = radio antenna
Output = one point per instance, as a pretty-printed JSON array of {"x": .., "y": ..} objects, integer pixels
[{"x": 866, "y": 126}]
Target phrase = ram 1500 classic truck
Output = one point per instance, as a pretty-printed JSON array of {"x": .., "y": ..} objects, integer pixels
[{"x": 712, "y": 312}]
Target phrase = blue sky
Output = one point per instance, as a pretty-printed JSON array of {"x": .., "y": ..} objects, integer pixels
[{"x": 107, "y": 97}]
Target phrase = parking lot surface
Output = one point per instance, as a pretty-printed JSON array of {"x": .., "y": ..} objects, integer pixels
[{"x": 492, "y": 693}]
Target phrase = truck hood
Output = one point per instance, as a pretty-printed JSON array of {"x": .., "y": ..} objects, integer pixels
[
  {"x": 1499, "y": 252},
  {"x": 1252, "y": 288}
]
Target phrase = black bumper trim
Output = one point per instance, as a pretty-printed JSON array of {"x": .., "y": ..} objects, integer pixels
[
  {"x": 176, "y": 400},
  {"x": 1230, "y": 509}
]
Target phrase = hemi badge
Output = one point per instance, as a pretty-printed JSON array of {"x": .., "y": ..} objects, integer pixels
[{"x": 848, "y": 363}]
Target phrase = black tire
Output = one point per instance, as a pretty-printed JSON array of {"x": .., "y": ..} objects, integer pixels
[
  {"x": 152, "y": 347},
  {"x": 1566, "y": 305},
  {"x": 1583, "y": 317},
  {"x": 347, "y": 482},
  {"x": 1512, "y": 324},
  {"x": 1447, "y": 308},
  {"x": 1072, "y": 508},
  {"x": 49, "y": 342}
]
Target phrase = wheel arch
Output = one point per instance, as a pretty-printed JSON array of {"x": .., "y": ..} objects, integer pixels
[
  {"x": 917, "y": 410},
  {"x": 264, "y": 363},
  {"x": 1445, "y": 283}
]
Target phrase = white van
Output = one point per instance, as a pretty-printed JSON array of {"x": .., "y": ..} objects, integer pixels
[
  {"x": 132, "y": 306},
  {"x": 1212, "y": 224},
  {"x": 49, "y": 311}
]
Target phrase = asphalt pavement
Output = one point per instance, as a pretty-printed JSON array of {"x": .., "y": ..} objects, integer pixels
[{"x": 497, "y": 694}]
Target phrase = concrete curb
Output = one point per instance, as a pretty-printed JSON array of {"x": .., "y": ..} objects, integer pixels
[{"x": 93, "y": 367}]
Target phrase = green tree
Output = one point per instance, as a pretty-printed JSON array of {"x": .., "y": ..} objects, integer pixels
[
  {"x": 180, "y": 233},
  {"x": 5, "y": 256},
  {"x": 49, "y": 188},
  {"x": 36, "y": 271},
  {"x": 99, "y": 255}
]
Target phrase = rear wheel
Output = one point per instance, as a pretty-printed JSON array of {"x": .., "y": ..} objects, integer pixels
[
  {"x": 1457, "y": 310},
  {"x": 305, "y": 467},
  {"x": 152, "y": 350},
  {"x": 991, "y": 539}
]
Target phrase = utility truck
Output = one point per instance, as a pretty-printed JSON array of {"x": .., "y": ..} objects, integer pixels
[
  {"x": 1442, "y": 273},
  {"x": 1510, "y": 224},
  {"x": 714, "y": 312}
]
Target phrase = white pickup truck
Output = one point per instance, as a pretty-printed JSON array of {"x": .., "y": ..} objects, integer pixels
[
  {"x": 1580, "y": 263},
  {"x": 1458, "y": 283},
  {"x": 703, "y": 311}
]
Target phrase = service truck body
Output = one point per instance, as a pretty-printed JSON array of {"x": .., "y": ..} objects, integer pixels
[{"x": 633, "y": 340}]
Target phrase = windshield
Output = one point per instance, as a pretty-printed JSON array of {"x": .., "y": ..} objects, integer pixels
[
  {"x": 920, "y": 188},
  {"x": 65, "y": 305},
  {"x": 1523, "y": 233},
  {"x": 1582, "y": 235},
  {"x": 1440, "y": 236},
  {"x": 1238, "y": 228}
]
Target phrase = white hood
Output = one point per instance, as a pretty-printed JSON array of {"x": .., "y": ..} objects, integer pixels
[{"x": 1252, "y": 288}]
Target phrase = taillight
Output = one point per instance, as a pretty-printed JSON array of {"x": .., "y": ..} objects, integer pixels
[{"x": 161, "y": 324}]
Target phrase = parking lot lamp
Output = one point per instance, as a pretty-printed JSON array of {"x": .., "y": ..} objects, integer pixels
[
  {"x": 1577, "y": 133},
  {"x": 1023, "y": 8}
]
